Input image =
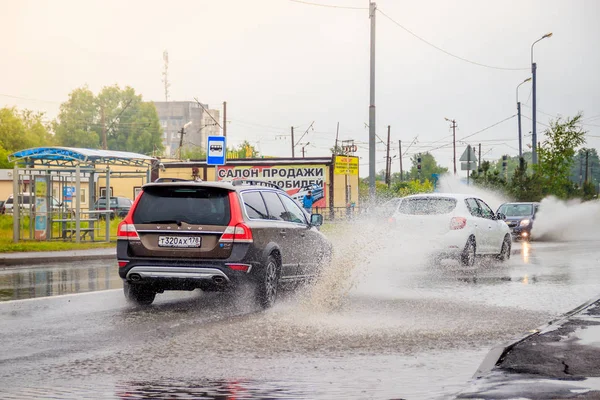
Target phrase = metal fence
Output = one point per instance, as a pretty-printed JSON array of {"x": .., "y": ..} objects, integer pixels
[{"x": 338, "y": 213}]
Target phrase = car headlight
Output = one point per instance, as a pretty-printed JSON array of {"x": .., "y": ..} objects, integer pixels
[{"x": 524, "y": 222}]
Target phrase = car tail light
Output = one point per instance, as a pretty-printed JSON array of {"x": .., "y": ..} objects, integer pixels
[
  {"x": 237, "y": 231},
  {"x": 458, "y": 223},
  {"x": 240, "y": 267},
  {"x": 122, "y": 263},
  {"x": 126, "y": 230}
]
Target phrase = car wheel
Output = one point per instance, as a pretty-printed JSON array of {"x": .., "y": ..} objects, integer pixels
[
  {"x": 506, "y": 249},
  {"x": 467, "y": 258},
  {"x": 267, "y": 286},
  {"x": 137, "y": 294}
]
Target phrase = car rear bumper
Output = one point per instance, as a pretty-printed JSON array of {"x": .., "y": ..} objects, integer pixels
[
  {"x": 188, "y": 273},
  {"x": 167, "y": 275}
]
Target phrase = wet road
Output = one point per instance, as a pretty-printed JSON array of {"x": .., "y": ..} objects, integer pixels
[{"x": 375, "y": 327}]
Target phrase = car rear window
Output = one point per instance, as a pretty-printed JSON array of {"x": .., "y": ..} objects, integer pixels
[
  {"x": 516, "y": 210},
  {"x": 427, "y": 205},
  {"x": 102, "y": 202},
  {"x": 197, "y": 206}
]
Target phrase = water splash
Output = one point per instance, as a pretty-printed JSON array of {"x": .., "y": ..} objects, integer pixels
[{"x": 571, "y": 220}]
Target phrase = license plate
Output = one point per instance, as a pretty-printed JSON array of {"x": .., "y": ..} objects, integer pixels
[{"x": 179, "y": 241}]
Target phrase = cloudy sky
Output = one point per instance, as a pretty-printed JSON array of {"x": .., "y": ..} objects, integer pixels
[{"x": 281, "y": 63}]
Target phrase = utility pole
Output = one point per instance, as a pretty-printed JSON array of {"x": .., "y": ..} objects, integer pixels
[
  {"x": 468, "y": 163},
  {"x": 400, "y": 157},
  {"x": 337, "y": 133},
  {"x": 225, "y": 119},
  {"x": 293, "y": 145},
  {"x": 181, "y": 133},
  {"x": 372, "y": 9},
  {"x": 388, "y": 164},
  {"x": 102, "y": 121},
  {"x": 479, "y": 160},
  {"x": 303, "y": 147},
  {"x": 453, "y": 142},
  {"x": 580, "y": 171},
  {"x": 587, "y": 153},
  {"x": 520, "y": 137}
]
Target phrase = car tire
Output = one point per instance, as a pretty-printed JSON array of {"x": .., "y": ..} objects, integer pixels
[
  {"x": 138, "y": 294},
  {"x": 467, "y": 258},
  {"x": 266, "y": 291},
  {"x": 506, "y": 249}
]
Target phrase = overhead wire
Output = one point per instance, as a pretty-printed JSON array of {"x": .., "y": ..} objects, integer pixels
[
  {"x": 445, "y": 51},
  {"x": 328, "y": 5}
]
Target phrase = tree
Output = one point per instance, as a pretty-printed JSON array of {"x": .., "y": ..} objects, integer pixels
[
  {"x": 577, "y": 174},
  {"x": 556, "y": 156},
  {"x": 116, "y": 115},
  {"x": 244, "y": 150},
  {"x": 489, "y": 177},
  {"x": 22, "y": 129},
  {"x": 196, "y": 154},
  {"x": 525, "y": 187},
  {"x": 512, "y": 163},
  {"x": 429, "y": 166},
  {"x": 4, "y": 163},
  {"x": 337, "y": 150}
]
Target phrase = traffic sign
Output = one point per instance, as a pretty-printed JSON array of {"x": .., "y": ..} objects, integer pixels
[
  {"x": 68, "y": 192},
  {"x": 216, "y": 150},
  {"x": 468, "y": 157},
  {"x": 468, "y": 166}
]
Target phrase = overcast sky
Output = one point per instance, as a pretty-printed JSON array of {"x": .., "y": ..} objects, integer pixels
[{"x": 280, "y": 63}]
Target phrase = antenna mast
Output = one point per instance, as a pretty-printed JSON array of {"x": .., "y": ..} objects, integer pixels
[{"x": 165, "y": 74}]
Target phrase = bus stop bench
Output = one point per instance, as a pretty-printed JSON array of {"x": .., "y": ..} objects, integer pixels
[{"x": 68, "y": 233}]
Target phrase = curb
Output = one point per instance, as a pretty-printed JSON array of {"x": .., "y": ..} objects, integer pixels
[
  {"x": 498, "y": 353},
  {"x": 6, "y": 263}
]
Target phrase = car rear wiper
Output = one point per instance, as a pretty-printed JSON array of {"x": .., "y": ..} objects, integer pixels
[{"x": 166, "y": 221}]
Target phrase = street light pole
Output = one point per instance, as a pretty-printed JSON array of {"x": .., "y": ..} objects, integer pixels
[
  {"x": 534, "y": 113},
  {"x": 372, "y": 9},
  {"x": 519, "y": 122}
]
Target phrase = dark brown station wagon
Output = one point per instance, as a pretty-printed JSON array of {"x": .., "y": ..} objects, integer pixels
[{"x": 216, "y": 236}]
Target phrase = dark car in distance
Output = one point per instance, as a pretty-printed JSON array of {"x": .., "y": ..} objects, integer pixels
[
  {"x": 217, "y": 236},
  {"x": 520, "y": 218},
  {"x": 119, "y": 206}
]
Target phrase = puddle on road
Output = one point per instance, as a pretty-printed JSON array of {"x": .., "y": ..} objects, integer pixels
[
  {"x": 68, "y": 278},
  {"x": 296, "y": 377}
]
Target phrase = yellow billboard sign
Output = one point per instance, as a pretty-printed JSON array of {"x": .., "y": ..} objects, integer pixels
[{"x": 345, "y": 165}]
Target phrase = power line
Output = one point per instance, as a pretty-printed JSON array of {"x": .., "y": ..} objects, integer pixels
[
  {"x": 537, "y": 122},
  {"x": 30, "y": 99},
  {"x": 328, "y": 5},
  {"x": 447, "y": 52},
  {"x": 489, "y": 127},
  {"x": 209, "y": 114}
]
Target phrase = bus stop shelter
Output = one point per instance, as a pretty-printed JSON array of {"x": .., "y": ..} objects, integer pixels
[{"x": 42, "y": 168}]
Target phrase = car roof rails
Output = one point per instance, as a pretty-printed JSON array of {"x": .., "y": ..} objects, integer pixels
[
  {"x": 239, "y": 182},
  {"x": 160, "y": 180}
]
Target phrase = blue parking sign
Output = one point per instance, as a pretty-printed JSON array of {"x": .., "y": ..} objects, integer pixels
[{"x": 215, "y": 150}]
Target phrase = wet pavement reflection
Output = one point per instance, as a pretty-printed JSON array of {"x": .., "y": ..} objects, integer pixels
[
  {"x": 404, "y": 330},
  {"x": 59, "y": 279}
]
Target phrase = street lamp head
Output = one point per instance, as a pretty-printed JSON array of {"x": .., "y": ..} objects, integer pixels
[
  {"x": 547, "y": 35},
  {"x": 527, "y": 80}
]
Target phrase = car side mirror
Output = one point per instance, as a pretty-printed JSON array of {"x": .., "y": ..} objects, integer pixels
[
  {"x": 316, "y": 219},
  {"x": 501, "y": 216}
]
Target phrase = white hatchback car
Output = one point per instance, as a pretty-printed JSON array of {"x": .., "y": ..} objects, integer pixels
[{"x": 456, "y": 226}]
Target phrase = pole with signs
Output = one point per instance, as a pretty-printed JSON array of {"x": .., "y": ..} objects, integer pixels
[{"x": 216, "y": 153}]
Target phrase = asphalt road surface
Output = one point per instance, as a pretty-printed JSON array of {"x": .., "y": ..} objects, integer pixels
[{"x": 381, "y": 324}]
